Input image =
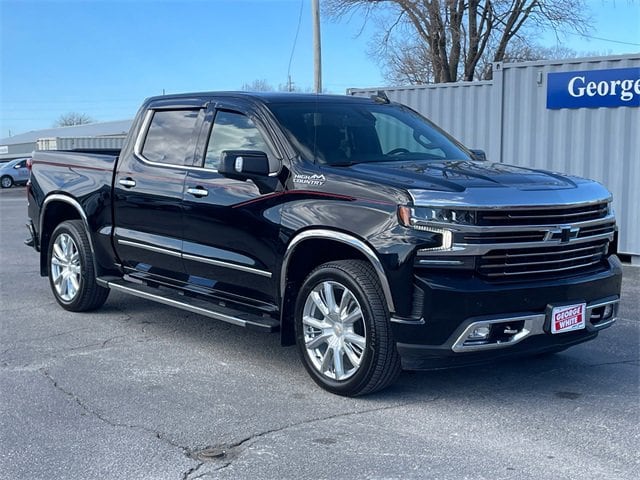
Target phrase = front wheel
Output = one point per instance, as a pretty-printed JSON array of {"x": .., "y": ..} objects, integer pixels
[
  {"x": 342, "y": 329},
  {"x": 72, "y": 274},
  {"x": 6, "y": 181}
]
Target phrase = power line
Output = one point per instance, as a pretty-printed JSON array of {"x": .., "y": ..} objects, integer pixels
[
  {"x": 295, "y": 42},
  {"x": 591, "y": 37}
]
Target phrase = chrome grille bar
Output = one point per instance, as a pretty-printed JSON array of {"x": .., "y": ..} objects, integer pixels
[
  {"x": 536, "y": 262},
  {"x": 576, "y": 213},
  {"x": 519, "y": 255},
  {"x": 537, "y": 272},
  {"x": 526, "y": 264},
  {"x": 522, "y": 243}
]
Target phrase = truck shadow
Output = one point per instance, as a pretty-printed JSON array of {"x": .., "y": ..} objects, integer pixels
[{"x": 603, "y": 367}]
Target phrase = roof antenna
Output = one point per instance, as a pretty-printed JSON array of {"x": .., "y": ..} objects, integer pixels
[{"x": 380, "y": 97}]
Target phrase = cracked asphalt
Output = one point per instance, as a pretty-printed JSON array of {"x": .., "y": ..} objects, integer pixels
[{"x": 137, "y": 390}]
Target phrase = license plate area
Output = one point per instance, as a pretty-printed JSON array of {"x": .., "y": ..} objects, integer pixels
[{"x": 568, "y": 318}]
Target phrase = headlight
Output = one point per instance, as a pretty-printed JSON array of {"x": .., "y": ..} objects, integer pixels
[
  {"x": 416, "y": 216},
  {"x": 426, "y": 219}
]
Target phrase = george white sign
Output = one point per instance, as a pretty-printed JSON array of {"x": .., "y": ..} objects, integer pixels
[{"x": 567, "y": 319}]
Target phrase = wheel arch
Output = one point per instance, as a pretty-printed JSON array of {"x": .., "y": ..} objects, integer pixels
[
  {"x": 325, "y": 245},
  {"x": 56, "y": 209}
]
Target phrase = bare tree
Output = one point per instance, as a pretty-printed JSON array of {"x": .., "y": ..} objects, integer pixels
[
  {"x": 459, "y": 37},
  {"x": 72, "y": 118},
  {"x": 262, "y": 85},
  {"x": 258, "y": 85}
]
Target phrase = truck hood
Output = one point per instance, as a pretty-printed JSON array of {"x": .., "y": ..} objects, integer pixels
[
  {"x": 482, "y": 184},
  {"x": 457, "y": 176}
]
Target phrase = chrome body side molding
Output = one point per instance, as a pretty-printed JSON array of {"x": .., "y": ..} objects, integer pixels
[
  {"x": 220, "y": 263},
  {"x": 196, "y": 258}
]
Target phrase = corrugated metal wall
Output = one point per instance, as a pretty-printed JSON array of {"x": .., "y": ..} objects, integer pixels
[
  {"x": 598, "y": 143},
  {"x": 17, "y": 150},
  {"x": 508, "y": 118},
  {"x": 109, "y": 143},
  {"x": 87, "y": 143},
  {"x": 456, "y": 107}
]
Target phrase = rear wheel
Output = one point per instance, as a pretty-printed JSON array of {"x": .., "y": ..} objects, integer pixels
[
  {"x": 6, "y": 181},
  {"x": 343, "y": 331},
  {"x": 72, "y": 274}
]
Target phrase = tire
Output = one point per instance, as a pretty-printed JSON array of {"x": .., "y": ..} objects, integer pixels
[
  {"x": 6, "y": 181},
  {"x": 72, "y": 274},
  {"x": 341, "y": 309}
]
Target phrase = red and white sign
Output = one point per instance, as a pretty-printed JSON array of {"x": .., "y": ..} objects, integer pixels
[{"x": 568, "y": 319}]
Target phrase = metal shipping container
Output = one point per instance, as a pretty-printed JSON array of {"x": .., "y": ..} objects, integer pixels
[
  {"x": 508, "y": 117},
  {"x": 86, "y": 143}
]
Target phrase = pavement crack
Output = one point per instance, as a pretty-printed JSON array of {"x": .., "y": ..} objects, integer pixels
[
  {"x": 228, "y": 453},
  {"x": 104, "y": 344},
  {"x": 621, "y": 362},
  {"x": 221, "y": 467},
  {"x": 186, "y": 475},
  {"x": 84, "y": 406},
  {"x": 251, "y": 438},
  {"x": 49, "y": 337}
]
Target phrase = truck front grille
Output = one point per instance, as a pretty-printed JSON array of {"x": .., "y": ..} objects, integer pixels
[
  {"x": 520, "y": 244},
  {"x": 544, "y": 216},
  {"x": 542, "y": 262}
]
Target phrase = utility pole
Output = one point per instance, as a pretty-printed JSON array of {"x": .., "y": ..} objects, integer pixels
[{"x": 317, "y": 57}]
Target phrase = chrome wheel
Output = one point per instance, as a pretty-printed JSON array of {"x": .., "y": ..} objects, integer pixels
[
  {"x": 65, "y": 267},
  {"x": 334, "y": 330}
]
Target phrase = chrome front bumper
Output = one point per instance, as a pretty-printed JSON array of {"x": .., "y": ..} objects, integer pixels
[{"x": 518, "y": 328}]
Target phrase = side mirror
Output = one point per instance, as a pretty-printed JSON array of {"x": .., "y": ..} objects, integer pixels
[
  {"x": 478, "y": 154},
  {"x": 244, "y": 164}
]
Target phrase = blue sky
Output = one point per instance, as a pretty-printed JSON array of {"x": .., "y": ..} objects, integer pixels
[{"x": 104, "y": 57}]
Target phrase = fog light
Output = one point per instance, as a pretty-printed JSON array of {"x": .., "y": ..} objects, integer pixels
[
  {"x": 480, "y": 333},
  {"x": 608, "y": 311}
]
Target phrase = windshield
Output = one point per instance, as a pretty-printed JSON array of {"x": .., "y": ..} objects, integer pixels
[{"x": 348, "y": 133}]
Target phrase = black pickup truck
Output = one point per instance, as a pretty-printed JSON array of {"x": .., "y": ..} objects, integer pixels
[{"x": 355, "y": 227}]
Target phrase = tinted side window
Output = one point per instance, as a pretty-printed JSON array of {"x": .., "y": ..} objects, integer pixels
[
  {"x": 232, "y": 131},
  {"x": 170, "y": 136}
]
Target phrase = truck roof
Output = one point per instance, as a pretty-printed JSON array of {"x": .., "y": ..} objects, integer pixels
[{"x": 270, "y": 97}]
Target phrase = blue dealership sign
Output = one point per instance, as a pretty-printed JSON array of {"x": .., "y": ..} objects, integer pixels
[{"x": 618, "y": 87}]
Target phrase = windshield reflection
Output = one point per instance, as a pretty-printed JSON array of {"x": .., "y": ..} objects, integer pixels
[{"x": 346, "y": 133}]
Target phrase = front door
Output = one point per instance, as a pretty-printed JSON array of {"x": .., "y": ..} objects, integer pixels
[{"x": 231, "y": 226}]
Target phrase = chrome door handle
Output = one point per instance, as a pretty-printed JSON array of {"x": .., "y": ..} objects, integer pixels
[
  {"x": 198, "y": 191},
  {"x": 127, "y": 182}
]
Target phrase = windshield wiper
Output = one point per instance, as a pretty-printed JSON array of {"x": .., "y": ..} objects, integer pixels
[{"x": 345, "y": 163}]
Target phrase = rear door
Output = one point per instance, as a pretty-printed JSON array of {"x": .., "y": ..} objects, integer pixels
[
  {"x": 148, "y": 191},
  {"x": 231, "y": 226}
]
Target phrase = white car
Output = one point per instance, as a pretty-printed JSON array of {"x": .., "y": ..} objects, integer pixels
[{"x": 14, "y": 172}]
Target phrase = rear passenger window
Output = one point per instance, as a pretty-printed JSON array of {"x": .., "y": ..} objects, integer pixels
[{"x": 171, "y": 136}]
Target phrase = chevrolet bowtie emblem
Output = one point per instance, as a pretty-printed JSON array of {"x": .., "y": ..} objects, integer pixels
[{"x": 564, "y": 234}]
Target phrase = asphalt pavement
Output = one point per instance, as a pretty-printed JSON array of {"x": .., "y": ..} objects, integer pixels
[{"x": 138, "y": 390}]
